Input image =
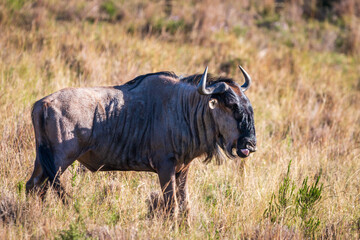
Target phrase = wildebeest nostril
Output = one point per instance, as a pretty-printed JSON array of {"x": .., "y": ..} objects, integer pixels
[{"x": 251, "y": 147}]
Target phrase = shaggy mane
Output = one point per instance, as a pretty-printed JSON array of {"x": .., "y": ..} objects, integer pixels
[
  {"x": 136, "y": 81},
  {"x": 192, "y": 79}
]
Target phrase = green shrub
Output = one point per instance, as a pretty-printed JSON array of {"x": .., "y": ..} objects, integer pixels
[
  {"x": 306, "y": 199},
  {"x": 281, "y": 205},
  {"x": 75, "y": 231},
  {"x": 289, "y": 206},
  {"x": 171, "y": 26},
  {"x": 15, "y": 4},
  {"x": 110, "y": 8},
  {"x": 74, "y": 174}
]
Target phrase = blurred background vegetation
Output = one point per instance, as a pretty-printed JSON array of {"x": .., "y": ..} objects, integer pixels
[
  {"x": 304, "y": 58},
  {"x": 320, "y": 25}
]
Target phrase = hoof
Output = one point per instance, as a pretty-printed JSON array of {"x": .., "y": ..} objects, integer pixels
[{"x": 155, "y": 204}]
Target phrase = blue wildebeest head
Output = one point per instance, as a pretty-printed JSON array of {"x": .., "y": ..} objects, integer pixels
[{"x": 233, "y": 109}]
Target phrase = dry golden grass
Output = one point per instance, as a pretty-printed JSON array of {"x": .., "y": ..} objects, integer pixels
[{"x": 305, "y": 93}]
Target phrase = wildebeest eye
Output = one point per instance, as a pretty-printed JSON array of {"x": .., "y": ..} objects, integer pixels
[{"x": 213, "y": 103}]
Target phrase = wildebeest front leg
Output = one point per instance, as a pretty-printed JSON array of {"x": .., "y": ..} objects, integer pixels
[
  {"x": 182, "y": 196},
  {"x": 166, "y": 174}
]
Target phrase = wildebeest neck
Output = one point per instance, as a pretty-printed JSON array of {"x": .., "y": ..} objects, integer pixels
[{"x": 199, "y": 121}]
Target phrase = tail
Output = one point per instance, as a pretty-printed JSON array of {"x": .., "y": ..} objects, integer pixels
[{"x": 47, "y": 161}]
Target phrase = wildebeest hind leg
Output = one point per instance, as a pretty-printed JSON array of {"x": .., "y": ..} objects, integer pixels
[
  {"x": 39, "y": 181},
  {"x": 62, "y": 162},
  {"x": 35, "y": 183}
]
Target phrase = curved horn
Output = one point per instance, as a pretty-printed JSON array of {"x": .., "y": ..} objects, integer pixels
[
  {"x": 202, "y": 84},
  {"x": 214, "y": 89},
  {"x": 247, "y": 77}
]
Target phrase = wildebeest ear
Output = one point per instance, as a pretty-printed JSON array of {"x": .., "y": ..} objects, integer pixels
[{"x": 213, "y": 103}]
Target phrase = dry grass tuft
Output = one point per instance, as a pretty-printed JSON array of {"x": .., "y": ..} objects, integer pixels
[{"x": 9, "y": 210}]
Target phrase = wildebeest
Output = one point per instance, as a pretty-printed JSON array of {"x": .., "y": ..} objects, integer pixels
[{"x": 157, "y": 122}]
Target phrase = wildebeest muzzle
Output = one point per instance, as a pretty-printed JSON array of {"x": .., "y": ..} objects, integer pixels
[{"x": 245, "y": 146}]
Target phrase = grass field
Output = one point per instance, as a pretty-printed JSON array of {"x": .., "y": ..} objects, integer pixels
[{"x": 304, "y": 60}]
